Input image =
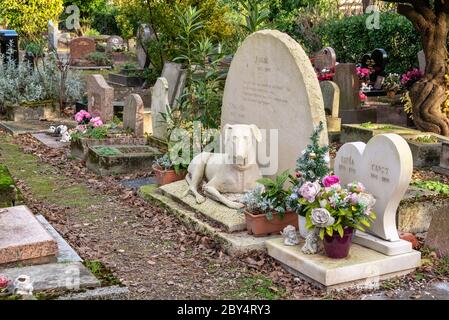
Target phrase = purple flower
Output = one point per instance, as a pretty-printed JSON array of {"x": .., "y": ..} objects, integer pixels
[{"x": 309, "y": 190}]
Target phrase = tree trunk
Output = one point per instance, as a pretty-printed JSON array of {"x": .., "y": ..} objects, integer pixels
[{"x": 429, "y": 93}]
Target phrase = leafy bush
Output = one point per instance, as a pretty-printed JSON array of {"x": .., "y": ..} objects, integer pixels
[
  {"x": 30, "y": 17},
  {"x": 105, "y": 21},
  {"x": 99, "y": 58},
  {"x": 436, "y": 186},
  {"x": 351, "y": 39}
]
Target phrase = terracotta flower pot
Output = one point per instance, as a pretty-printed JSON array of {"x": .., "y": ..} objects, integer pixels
[
  {"x": 338, "y": 247},
  {"x": 258, "y": 225},
  {"x": 167, "y": 176}
]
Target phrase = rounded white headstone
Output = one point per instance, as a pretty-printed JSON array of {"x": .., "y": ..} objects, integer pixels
[{"x": 271, "y": 83}]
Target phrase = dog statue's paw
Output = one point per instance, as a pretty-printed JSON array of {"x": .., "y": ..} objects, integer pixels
[{"x": 200, "y": 199}]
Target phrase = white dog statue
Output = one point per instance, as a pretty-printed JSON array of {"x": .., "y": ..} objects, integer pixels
[{"x": 234, "y": 171}]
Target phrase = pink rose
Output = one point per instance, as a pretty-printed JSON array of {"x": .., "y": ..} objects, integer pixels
[
  {"x": 82, "y": 115},
  {"x": 96, "y": 122},
  {"x": 330, "y": 180},
  {"x": 3, "y": 282},
  {"x": 362, "y": 96},
  {"x": 309, "y": 190}
]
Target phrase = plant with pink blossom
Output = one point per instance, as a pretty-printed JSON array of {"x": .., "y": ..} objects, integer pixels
[
  {"x": 82, "y": 117},
  {"x": 410, "y": 77}
]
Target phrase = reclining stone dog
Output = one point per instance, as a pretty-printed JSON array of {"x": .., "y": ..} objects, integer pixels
[{"x": 234, "y": 171}]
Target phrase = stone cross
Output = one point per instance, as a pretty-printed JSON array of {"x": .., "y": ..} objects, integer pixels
[
  {"x": 348, "y": 81},
  {"x": 331, "y": 98},
  {"x": 100, "y": 97},
  {"x": 133, "y": 115},
  {"x": 384, "y": 165},
  {"x": 159, "y": 105}
]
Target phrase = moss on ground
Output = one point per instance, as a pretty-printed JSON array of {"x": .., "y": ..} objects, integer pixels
[
  {"x": 45, "y": 183},
  {"x": 256, "y": 287}
]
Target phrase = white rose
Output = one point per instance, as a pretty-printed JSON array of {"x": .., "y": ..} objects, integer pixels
[{"x": 322, "y": 218}]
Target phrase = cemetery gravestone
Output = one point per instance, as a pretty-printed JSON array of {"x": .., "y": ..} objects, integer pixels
[
  {"x": 272, "y": 84},
  {"x": 100, "y": 97},
  {"x": 133, "y": 115},
  {"x": 81, "y": 47},
  {"x": 176, "y": 79},
  {"x": 384, "y": 166},
  {"x": 53, "y": 35},
  {"x": 114, "y": 42},
  {"x": 331, "y": 97},
  {"x": 9, "y": 39},
  {"x": 347, "y": 80},
  {"x": 422, "y": 61},
  {"x": 377, "y": 61},
  {"x": 325, "y": 59},
  {"x": 159, "y": 103},
  {"x": 144, "y": 34}
]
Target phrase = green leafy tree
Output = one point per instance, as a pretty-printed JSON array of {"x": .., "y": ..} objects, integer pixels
[{"x": 29, "y": 17}]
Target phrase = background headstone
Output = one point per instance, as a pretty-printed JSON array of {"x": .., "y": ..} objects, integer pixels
[
  {"x": 176, "y": 79},
  {"x": 100, "y": 97},
  {"x": 348, "y": 81},
  {"x": 325, "y": 59},
  {"x": 159, "y": 103},
  {"x": 271, "y": 83},
  {"x": 377, "y": 60},
  {"x": 385, "y": 167},
  {"x": 144, "y": 34},
  {"x": 53, "y": 36},
  {"x": 438, "y": 234},
  {"x": 422, "y": 61},
  {"x": 133, "y": 114},
  {"x": 81, "y": 47},
  {"x": 114, "y": 42},
  {"x": 331, "y": 98}
]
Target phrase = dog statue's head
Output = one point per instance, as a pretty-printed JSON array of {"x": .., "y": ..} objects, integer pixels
[{"x": 241, "y": 142}]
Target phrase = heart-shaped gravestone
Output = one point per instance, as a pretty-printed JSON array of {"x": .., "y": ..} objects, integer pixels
[{"x": 384, "y": 166}]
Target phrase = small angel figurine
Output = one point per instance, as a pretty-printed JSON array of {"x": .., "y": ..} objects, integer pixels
[{"x": 290, "y": 236}]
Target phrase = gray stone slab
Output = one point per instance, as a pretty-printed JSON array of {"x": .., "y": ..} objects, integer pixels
[
  {"x": 233, "y": 243},
  {"x": 434, "y": 291},
  {"x": 55, "y": 276},
  {"x": 137, "y": 183},
  {"x": 33, "y": 126},
  {"x": 230, "y": 219},
  {"x": 105, "y": 293},
  {"x": 65, "y": 251},
  {"x": 50, "y": 141}
]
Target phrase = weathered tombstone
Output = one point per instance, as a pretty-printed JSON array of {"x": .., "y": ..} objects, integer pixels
[
  {"x": 133, "y": 115},
  {"x": 81, "y": 47},
  {"x": 331, "y": 98},
  {"x": 325, "y": 59},
  {"x": 384, "y": 166},
  {"x": 159, "y": 103},
  {"x": 422, "y": 61},
  {"x": 53, "y": 36},
  {"x": 272, "y": 84},
  {"x": 100, "y": 97},
  {"x": 114, "y": 42},
  {"x": 348, "y": 81},
  {"x": 176, "y": 79},
  {"x": 144, "y": 34}
]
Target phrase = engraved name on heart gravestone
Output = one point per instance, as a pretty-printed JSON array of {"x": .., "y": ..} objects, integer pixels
[{"x": 384, "y": 166}]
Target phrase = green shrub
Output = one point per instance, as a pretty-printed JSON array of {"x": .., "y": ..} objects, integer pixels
[
  {"x": 351, "y": 39},
  {"x": 100, "y": 59}
]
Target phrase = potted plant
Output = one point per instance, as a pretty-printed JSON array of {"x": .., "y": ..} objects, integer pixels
[
  {"x": 166, "y": 171},
  {"x": 392, "y": 84},
  {"x": 265, "y": 207},
  {"x": 312, "y": 165},
  {"x": 334, "y": 213}
]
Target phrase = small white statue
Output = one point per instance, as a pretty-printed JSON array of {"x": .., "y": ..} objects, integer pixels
[
  {"x": 234, "y": 171},
  {"x": 52, "y": 129},
  {"x": 23, "y": 286},
  {"x": 290, "y": 236},
  {"x": 66, "y": 137},
  {"x": 312, "y": 245},
  {"x": 61, "y": 129}
]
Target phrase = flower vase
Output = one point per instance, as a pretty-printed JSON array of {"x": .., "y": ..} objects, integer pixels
[
  {"x": 303, "y": 231},
  {"x": 337, "y": 247}
]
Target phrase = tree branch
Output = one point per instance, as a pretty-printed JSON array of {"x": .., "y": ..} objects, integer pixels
[
  {"x": 423, "y": 7},
  {"x": 414, "y": 16}
]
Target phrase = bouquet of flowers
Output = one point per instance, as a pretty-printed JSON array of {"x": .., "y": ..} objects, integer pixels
[
  {"x": 392, "y": 82},
  {"x": 410, "y": 77},
  {"x": 88, "y": 126},
  {"x": 332, "y": 208},
  {"x": 363, "y": 73}
]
